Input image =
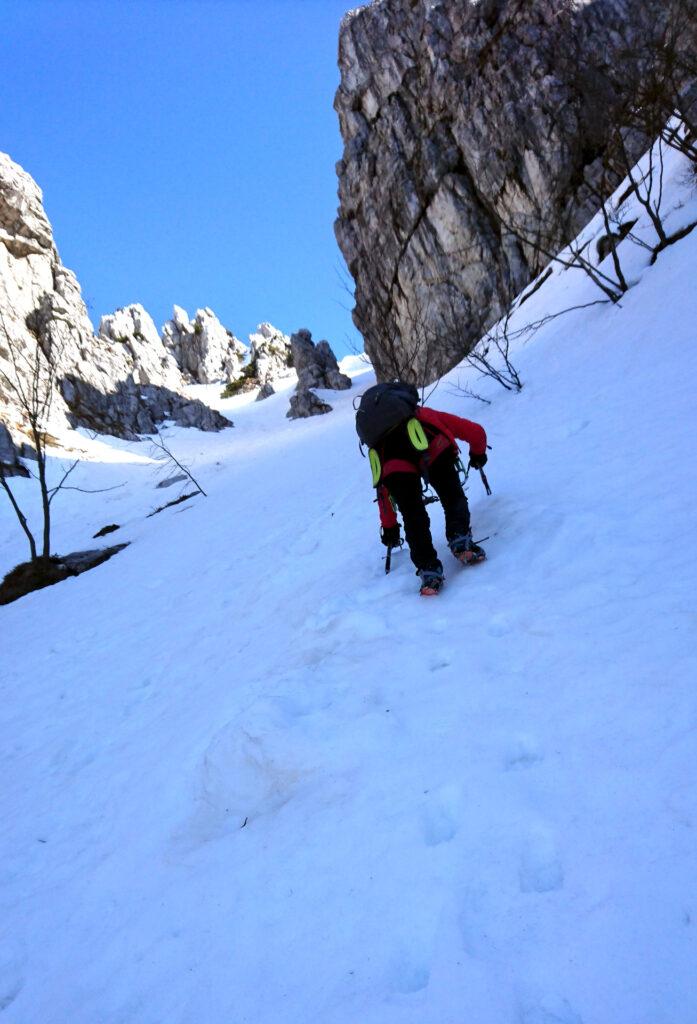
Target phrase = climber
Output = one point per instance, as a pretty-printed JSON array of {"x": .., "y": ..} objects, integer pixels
[{"x": 410, "y": 443}]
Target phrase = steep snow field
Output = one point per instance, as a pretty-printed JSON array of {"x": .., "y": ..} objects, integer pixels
[{"x": 248, "y": 777}]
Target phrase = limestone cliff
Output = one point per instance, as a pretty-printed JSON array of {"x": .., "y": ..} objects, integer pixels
[
  {"x": 457, "y": 118},
  {"x": 123, "y": 381}
]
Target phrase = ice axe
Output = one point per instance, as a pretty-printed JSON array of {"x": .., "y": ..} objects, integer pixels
[
  {"x": 485, "y": 481},
  {"x": 388, "y": 556},
  {"x": 483, "y": 476}
]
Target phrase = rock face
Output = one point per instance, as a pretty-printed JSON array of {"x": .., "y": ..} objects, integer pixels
[
  {"x": 271, "y": 354},
  {"x": 205, "y": 351},
  {"x": 457, "y": 121},
  {"x": 123, "y": 381},
  {"x": 132, "y": 409},
  {"x": 9, "y": 455},
  {"x": 270, "y": 362},
  {"x": 132, "y": 333}
]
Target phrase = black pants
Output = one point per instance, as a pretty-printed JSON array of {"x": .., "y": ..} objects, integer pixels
[{"x": 405, "y": 488}]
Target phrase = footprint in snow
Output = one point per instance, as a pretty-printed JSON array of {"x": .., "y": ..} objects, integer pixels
[
  {"x": 540, "y": 868},
  {"x": 473, "y": 921},
  {"x": 300, "y": 704},
  {"x": 441, "y": 815},
  {"x": 408, "y": 974},
  {"x": 577, "y": 427},
  {"x": 250, "y": 768},
  {"x": 523, "y": 752},
  {"x": 499, "y": 625},
  {"x": 352, "y": 625},
  {"x": 558, "y": 1013},
  {"x": 440, "y": 659},
  {"x": 11, "y": 982},
  {"x": 307, "y": 545}
]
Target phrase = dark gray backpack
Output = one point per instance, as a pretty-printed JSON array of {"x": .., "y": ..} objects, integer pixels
[{"x": 383, "y": 407}]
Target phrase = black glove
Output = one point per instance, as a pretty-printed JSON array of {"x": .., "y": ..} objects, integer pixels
[
  {"x": 390, "y": 536},
  {"x": 478, "y": 461}
]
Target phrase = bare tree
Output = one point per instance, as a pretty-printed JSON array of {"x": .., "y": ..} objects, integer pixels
[
  {"x": 661, "y": 61},
  {"x": 30, "y": 380},
  {"x": 646, "y": 84},
  {"x": 29, "y": 375}
]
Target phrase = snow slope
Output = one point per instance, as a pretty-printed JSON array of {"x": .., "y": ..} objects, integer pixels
[{"x": 247, "y": 777}]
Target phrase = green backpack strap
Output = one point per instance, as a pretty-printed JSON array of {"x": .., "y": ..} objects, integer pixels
[
  {"x": 375, "y": 467},
  {"x": 417, "y": 434}
]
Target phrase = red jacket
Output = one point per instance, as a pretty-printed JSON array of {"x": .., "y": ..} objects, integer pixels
[{"x": 447, "y": 427}]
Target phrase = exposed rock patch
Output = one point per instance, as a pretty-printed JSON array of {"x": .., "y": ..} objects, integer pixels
[
  {"x": 179, "y": 478},
  {"x": 44, "y": 572},
  {"x": 105, "y": 530}
]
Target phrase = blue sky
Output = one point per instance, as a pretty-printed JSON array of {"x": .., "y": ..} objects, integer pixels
[{"x": 186, "y": 152}]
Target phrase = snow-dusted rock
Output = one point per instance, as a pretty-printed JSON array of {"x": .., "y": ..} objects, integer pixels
[
  {"x": 270, "y": 353},
  {"x": 270, "y": 362},
  {"x": 132, "y": 329},
  {"x": 24, "y": 227},
  {"x": 203, "y": 348}
]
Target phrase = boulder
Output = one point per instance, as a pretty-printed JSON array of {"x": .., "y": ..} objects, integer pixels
[
  {"x": 316, "y": 365},
  {"x": 304, "y": 403}
]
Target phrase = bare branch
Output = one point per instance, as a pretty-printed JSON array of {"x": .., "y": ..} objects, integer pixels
[
  {"x": 158, "y": 441},
  {"x": 94, "y": 490},
  {"x": 18, "y": 512},
  {"x": 54, "y": 490}
]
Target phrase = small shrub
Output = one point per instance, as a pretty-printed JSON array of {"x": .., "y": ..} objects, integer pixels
[{"x": 243, "y": 383}]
